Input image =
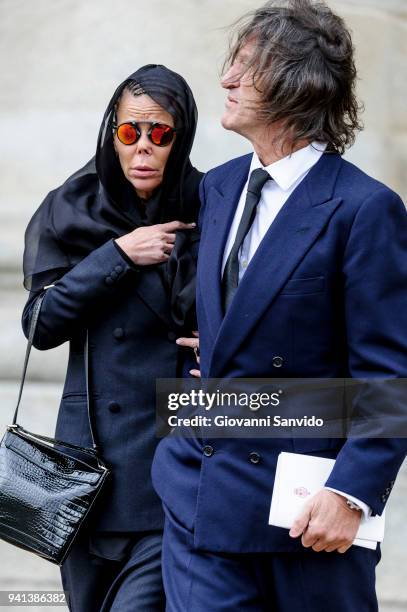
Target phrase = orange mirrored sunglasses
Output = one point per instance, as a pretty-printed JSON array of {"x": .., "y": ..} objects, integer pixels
[{"x": 160, "y": 134}]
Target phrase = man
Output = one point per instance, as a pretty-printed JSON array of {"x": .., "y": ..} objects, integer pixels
[{"x": 314, "y": 286}]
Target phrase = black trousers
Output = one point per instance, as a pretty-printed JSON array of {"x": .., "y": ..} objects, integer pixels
[{"x": 113, "y": 574}]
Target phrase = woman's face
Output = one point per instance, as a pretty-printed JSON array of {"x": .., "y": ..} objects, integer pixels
[{"x": 143, "y": 162}]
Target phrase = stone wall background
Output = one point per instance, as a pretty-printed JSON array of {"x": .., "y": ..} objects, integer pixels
[{"x": 59, "y": 63}]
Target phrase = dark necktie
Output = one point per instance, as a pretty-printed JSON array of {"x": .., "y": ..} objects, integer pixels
[{"x": 230, "y": 279}]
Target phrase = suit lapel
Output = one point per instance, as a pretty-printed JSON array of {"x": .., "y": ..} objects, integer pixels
[
  {"x": 290, "y": 236},
  {"x": 151, "y": 290},
  {"x": 222, "y": 203}
]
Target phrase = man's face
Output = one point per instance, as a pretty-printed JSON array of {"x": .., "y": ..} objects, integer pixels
[{"x": 243, "y": 98}]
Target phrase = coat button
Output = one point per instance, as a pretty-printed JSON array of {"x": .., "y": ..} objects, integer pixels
[
  {"x": 109, "y": 280},
  {"x": 384, "y": 499},
  {"x": 208, "y": 451},
  {"x": 254, "y": 457},
  {"x": 278, "y": 361},
  {"x": 119, "y": 269},
  {"x": 118, "y": 333},
  {"x": 172, "y": 336},
  {"x": 114, "y": 275},
  {"x": 114, "y": 407}
]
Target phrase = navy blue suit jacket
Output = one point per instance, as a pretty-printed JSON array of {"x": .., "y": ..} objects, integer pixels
[
  {"x": 131, "y": 342},
  {"x": 326, "y": 292}
]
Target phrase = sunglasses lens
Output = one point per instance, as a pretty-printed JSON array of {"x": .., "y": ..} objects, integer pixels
[
  {"x": 162, "y": 135},
  {"x": 127, "y": 133}
]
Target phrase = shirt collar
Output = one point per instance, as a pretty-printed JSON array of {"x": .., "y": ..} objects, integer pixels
[{"x": 289, "y": 169}]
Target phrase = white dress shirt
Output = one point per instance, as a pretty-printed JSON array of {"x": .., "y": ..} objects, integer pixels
[{"x": 286, "y": 173}]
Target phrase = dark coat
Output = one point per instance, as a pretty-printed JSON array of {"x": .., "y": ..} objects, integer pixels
[
  {"x": 133, "y": 314},
  {"x": 132, "y": 342},
  {"x": 324, "y": 297}
]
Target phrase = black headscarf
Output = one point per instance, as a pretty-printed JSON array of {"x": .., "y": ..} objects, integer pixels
[{"x": 98, "y": 203}]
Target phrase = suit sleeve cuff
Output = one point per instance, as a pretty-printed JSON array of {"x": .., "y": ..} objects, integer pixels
[
  {"x": 367, "y": 511},
  {"x": 112, "y": 266},
  {"x": 124, "y": 255}
]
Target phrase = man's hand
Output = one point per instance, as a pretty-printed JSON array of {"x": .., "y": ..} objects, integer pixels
[
  {"x": 152, "y": 244},
  {"x": 194, "y": 344},
  {"x": 327, "y": 523}
]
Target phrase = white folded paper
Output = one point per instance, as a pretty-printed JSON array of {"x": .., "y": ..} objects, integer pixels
[{"x": 298, "y": 477}]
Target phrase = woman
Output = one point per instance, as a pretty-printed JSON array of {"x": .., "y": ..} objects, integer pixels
[{"x": 115, "y": 246}]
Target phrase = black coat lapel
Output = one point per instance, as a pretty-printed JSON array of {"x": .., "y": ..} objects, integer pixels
[{"x": 151, "y": 289}]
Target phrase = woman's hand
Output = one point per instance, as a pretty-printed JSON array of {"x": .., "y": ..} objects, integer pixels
[
  {"x": 152, "y": 244},
  {"x": 194, "y": 344}
]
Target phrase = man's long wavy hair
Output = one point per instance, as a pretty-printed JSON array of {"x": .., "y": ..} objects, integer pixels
[{"x": 303, "y": 66}]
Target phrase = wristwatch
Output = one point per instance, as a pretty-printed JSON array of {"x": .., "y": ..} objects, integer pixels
[{"x": 353, "y": 506}]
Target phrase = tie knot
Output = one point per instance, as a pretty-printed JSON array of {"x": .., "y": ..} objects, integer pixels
[{"x": 257, "y": 180}]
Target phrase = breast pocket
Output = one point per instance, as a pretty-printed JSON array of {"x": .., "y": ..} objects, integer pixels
[{"x": 304, "y": 286}]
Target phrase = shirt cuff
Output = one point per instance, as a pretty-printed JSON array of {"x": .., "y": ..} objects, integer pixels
[{"x": 367, "y": 511}]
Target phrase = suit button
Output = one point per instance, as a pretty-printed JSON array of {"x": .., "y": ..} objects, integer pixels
[
  {"x": 254, "y": 457},
  {"x": 172, "y": 336},
  {"x": 119, "y": 269},
  {"x": 114, "y": 407},
  {"x": 114, "y": 275},
  {"x": 278, "y": 361},
  {"x": 384, "y": 498},
  {"x": 109, "y": 280},
  {"x": 118, "y": 333},
  {"x": 208, "y": 451}
]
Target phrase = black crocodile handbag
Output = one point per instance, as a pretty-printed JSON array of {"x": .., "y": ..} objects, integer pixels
[{"x": 47, "y": 487}]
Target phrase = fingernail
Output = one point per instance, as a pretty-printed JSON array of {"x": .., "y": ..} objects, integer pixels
[{"x": 178, "y": 341}]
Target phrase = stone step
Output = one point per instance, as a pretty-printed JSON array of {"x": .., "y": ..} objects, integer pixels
[{"x": 34, "y": 574}]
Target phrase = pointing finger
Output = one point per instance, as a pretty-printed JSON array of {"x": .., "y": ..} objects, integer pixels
[
  {"x": 173, "y": 226},
  {"x": 190, "y": 342}
]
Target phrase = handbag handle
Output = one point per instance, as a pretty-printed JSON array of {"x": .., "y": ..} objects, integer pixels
[{"x": 33, "y": 327}]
